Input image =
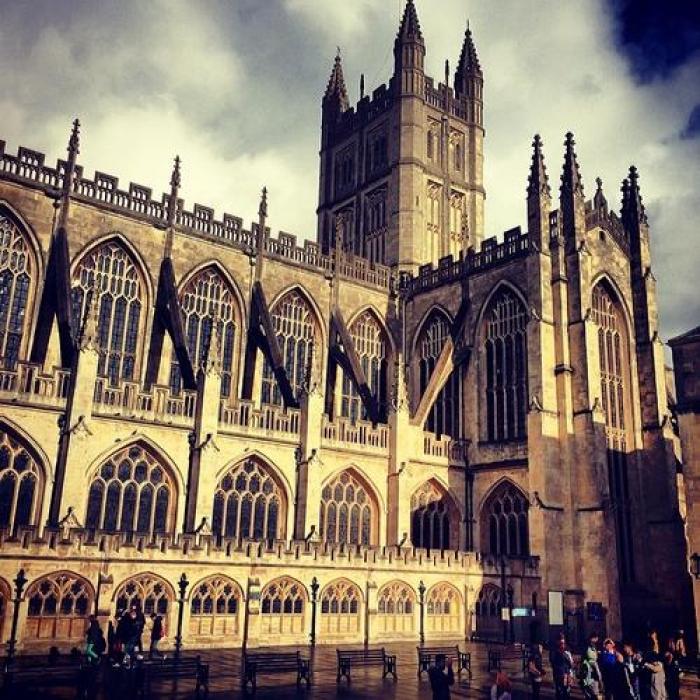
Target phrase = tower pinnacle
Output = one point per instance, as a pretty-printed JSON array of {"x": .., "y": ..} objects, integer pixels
[
  {"x": 468, "y": 64},
  {"x": 336, "y": 91},
  {"x": 571, "y": 182},
  {"x": 409, "y": 30},
  {"x": 538, "y": 182}
]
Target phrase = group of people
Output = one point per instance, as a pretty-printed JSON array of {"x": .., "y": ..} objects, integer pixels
[
  {"x": 125, "y": 637},
  {"x": 615, "y": 671}
]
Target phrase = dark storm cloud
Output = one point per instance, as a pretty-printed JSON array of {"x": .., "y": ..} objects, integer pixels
[{"x": 657, "y": 37}]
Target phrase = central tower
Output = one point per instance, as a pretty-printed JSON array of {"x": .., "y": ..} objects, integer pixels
[{"x": 401, "y": 174}]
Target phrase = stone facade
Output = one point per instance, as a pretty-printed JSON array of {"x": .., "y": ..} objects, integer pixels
[{"x": 466, "y": 428}]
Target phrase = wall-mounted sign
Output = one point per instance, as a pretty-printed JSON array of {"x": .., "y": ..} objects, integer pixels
[
  {"x": 523, "y": 612},
  {"x": 555, "y": 601}
]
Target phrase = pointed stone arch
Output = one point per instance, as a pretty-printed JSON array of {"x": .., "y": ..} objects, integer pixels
[
  {"x": 148, "y": 593},
  {"x": 434, "y": 310},
  {"x": 21, "y": 276},
  {"x": 133, "y": 489},
  {"x": 349, "y": 511},
  {"x": 251, "y": 501},
  {"x": 216, "y": 603},
  {"x": 283, "y": 607},
  {"x": 23, "y": 478},
  {"x": 487, "y": 610},
  {"x": 111, "y": 267},
  {"x": 500, "y": 287},
  {"x": 503, "y": 520},
  {"x": 341, "y": 610},
  {"x": 396, "y": 609},
  {"x": 443, "y": 607},
  {"x": 435, "y": 517}
]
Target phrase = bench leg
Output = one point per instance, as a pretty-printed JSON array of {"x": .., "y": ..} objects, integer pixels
[{"x": 343, "y": 670}]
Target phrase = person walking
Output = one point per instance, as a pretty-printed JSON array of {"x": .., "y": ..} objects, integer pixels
[
  {"x": 630, "y": 672},
  {"x": 562, "y": 666},
  {"x": 441, "y": 677},
  {"x": 672, "y": 672},
  {"x": 652, "y": 679},
  {"x": 535, "y": 670},
  {"x": 609, "y": 673},
  {"x": 94, "y": 642},
  {"x": 591, "y": 656},
  {"x": 156, "y": 636}
]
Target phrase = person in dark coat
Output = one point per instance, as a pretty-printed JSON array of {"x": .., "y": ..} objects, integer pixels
[
  {"x": 440, "y": 681},
  {"x": 156, "y": 636},
  {"x": 562, "y": 666},
  {"x": 535, "y": 670}
]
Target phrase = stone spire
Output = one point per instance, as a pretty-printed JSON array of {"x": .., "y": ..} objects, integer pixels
[
  {"x": 468, "y": 64},
  {"x": 600, "y": 203},
  {"x": 175, "y": 181},
  {"x": 409, "y": 54},
  {"x": 538, "y": 182},
  {"x": 336, "y": 91},
  {"x": 409, "y": 31},
  {"x": 571, "y": 182},
  {"x": 74, "y": 141},
  {"x": 633, "y": 212}
]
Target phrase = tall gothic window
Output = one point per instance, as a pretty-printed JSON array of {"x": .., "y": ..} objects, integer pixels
[
  {"x": 487, "y": 609},
  {"x": 20, "y": 483},
  {"x": 132, "y": 492},
  {"x": 282, "y": 606},
  {"x": 504, "y": 521},
  {"x": 445, "y": 414},
  {"x": 348, "y": 511},
  {"x": 249, "y": 503},
  {"x": 147, "y": 592},
  {"x": 340, "y": 609},
  {"x": 443, "y": 610},
  {"x": 110, "y": 272},
  {"x": 396, "y": 604},
  {"x": 16, "y": 273},
  {"x": 58, "y": 606},
  {"x": 506, "y": 367},
  {"x": 207, "y": 297},
  {"x": 371, "y": 348},
  {"x": 613, "y": 354},
  {"x": 433, "y": 518},
  {"x": 214, "y": 607},
  {"x": 294, "y": 324}
]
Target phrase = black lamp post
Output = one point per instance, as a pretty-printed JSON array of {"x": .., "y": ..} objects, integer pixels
[
  {"x": 509, "y": 592},
  {"x": 695, "y": 565},
  {"x": 314, "y": 594},
  {"x": 182, "y": 585},
  {"x": 20, "y": 582},
  {"x": 421, "y": 606}
]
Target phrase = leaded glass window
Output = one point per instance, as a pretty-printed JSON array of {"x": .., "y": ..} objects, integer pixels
[
  {"x": 348, "y": 512},
  {"x": 58, "y": 606},
  {"x": 282, "y": 604},
  {"x": 371, "y": 347},
  {"x": 249, "y": 503},
  {"x": 132, "y": 492},
  {"x": 396, "y": 604},
  {"x": 433, "y": 516},
  {"x": 505, "y": 341},
  {"x": 146, "y": 592},
  {"x": 341, "y": 603},
  {"x": 293, "y": 321},
  {"x": 505, "y": 521},
  {"x": 206, "y": 297},
  {"x": 16, "y": 274},
  {"x": 445, "y": 414},
  {"x": 214, "y": 607},
  {"x": 20, "y": 483},
  {"x": 110, "y": 272}
]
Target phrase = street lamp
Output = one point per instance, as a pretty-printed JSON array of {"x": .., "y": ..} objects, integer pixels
[
  {"x": 421, "y": 604},
  {"x": 314, "y": 593},
  {"x": 20, "y": 582},
  {"x": 182, "y": 585},
  {"x": 510, "y": 592}
]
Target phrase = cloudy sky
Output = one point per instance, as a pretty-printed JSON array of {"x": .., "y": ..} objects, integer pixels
[{"x": 234, "y": 88}]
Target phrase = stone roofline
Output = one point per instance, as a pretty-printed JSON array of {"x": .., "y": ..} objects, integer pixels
[
  {"x": 28, "y": 168},
  {"x": 75, "y": 542}
]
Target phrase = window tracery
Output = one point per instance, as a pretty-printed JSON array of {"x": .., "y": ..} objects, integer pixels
[
  {"x": 432, "y": 518},
  {"x": 20, "y": 483},
  {"x": 214, "y": 607},
  {"x": 396, "y": 608},
  {"x": 443, "y": 610},
  {"x": 340, "y": 609},
  {"x": 505, "y": 519},
  {"x": 348, "y": 511},
  {"x": 282, "y": 606},
  {"x": 147, "y": 592}
]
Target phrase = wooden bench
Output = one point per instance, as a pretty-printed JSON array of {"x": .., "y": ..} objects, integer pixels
[
  {"x": 426, "y": 657},
  {"x": 15, "y": 680},
  {"x": 172, "y": 669},
  {"x": 255, "y": 662},
  {"x": 348, "y": 658}
]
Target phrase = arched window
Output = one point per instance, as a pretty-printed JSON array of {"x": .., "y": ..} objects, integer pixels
[
  {"x": 58, "y": 606},
  {"x": 21, "y": 482},
  {"x": 17, "y": 270},
  {"x": 341, "y": 603},
  {"x": 214, "y": 608},
  {"x": 504, "y": 522},
  {"x": 295, "y": 326},
  {"x": 613, "y": 358},
  {"x": 443, "y": 610},
  {"x": 506, "y": 367},
  {"x": 371, "y": 348},
  {"x": 110, "y": 272},
  {"x": 249, "y": 503},
  {"x": 396, "y": 609},
  {"x": 282, "y": 607},
  {"x": 348, "y": 511},
  {"x": 132, "y": 492},
  {"x": 206, "y": 297},
  {"x": 148, "y": 593},
  {"x": 445, "y": 414},
  {"x": 434, "y": 519},
  {"x": 488, "y": 613}
]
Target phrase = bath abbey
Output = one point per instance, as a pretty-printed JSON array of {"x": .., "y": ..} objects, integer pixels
[{"x": 403, "y": 429}]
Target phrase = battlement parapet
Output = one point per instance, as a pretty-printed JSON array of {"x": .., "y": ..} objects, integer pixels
[
  {"x": 28, "y": 167},
  {"x": 516, "y": 244},
  {"x": 68, "y": 543}
]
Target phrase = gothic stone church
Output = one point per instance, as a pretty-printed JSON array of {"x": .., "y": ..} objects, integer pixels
[{"x": 403, "y": 425}]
